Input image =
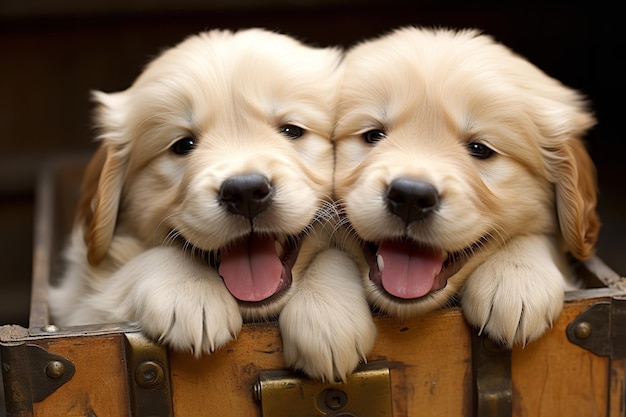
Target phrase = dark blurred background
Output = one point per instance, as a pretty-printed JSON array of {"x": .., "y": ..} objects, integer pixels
[{"x": 52, "y": 53}]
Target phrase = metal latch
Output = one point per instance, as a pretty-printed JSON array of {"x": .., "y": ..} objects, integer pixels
[
  {"x": 367, "y": 392},
  {"x": 601, "y": 328},
  {"x": 30, "y": 374}
]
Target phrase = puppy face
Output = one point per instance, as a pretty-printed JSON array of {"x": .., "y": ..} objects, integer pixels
[
  {"x": 448, "y": 146},
  {"x": 221, "y": 146}
]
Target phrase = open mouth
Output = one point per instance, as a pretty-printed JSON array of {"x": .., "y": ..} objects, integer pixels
[
  {"x": 255, "y": 268},
  {"x": 407, "y": 270}
]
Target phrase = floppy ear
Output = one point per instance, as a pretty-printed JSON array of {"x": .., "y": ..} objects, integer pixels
[
  {"x": 576, "y": 197},
  {"x": 103, "y": 180}
]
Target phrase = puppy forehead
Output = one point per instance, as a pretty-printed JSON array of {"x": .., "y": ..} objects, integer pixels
[
  {"x": 413, "y": 66},
  {"x": 251, "y": 61},
  {"x": 419, "y": 72},
  {"x": 233, "y": 79}
]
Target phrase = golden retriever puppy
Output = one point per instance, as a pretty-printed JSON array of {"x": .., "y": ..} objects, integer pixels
[
  {"x": 460, "y": 166},
  {"x": 211, "y": 169}
]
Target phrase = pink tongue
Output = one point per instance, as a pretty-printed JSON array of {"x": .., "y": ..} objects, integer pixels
[
  {"x": 251, "y": 269},
  {"x": 409, "y": 270}
]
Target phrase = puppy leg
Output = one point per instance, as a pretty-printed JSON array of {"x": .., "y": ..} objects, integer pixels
[
  {"x": 67, "y": 299},
  {"x": 175, "y": 298},
  {"x": 327, "y": 326},
  {"x": 517, "y": 293}
]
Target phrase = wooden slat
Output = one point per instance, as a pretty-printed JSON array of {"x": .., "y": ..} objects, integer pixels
[
  {"x": 617, "y": 388},
  {"x": 221, "y": 384},
  {"x": 429, "y": 359},
  {"x": 430, "y": 364},
  {"x": 98, "y": 388},
  {"x": 553, "y": 377}
]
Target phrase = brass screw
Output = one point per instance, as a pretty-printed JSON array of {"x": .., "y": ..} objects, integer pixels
[
  {"x": 335, "y": 399},
  {"x": 582, "y": 330},
  {"x": 55, "y": 369},
  {"x": 149, "y": 374}
]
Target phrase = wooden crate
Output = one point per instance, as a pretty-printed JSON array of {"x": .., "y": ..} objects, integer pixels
[{"x": 434, "y": 365}]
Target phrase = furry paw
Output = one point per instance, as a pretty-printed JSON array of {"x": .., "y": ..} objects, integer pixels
[
  {"x": 327, "y": 327},
  {"x": 517, "y": 294},
  {"x": 182, "y": 302}
]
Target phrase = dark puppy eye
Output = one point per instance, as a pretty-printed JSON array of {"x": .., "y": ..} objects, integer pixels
[
  {"x": 183, "y": 146},
  {"x": 291, "y": 131},
  {"x": 479, "y": 150},
  {"x": 374, "y": 135}
]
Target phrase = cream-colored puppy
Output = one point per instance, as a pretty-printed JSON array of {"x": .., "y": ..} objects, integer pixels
[
  {"x": 460, "y": 166},
  {"x": 211, "y": 170}
]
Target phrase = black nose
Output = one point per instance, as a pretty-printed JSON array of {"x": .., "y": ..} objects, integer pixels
[
  {"x": 411, "y": 199},
  {"x": 246, "y": 195}
]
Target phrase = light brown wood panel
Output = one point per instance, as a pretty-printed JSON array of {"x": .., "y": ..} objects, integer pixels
[
  {"x": 429, "y": 358},
  {"x": 553, "y": 377},
  {"x": 430, "y": 370},
  {"x": 617, "y": 390},
  {"x": 221, "y": 384},
  {"x": 98, "y": 388},
  {"x": 430, "y": 363}
]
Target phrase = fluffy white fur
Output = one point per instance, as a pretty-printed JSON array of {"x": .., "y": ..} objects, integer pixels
[
  {"x": 156, "y": 215},
  {"x": 448, "y": 141}
]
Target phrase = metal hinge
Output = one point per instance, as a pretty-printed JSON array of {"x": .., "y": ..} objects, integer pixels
[
  {"x": 491, "y": 367},
  {"x": 149, "y": 377},
  {"x": 367, "y": 392},
  {"x": 30, "y": 374},
  {"x": 601, "y": 328}
]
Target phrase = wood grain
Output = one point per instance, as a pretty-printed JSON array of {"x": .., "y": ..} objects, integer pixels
[
  {"x": 430, "y": 370},
  {"x": 98, "y": 388}
]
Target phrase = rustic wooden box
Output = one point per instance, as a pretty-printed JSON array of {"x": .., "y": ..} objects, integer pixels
[{"x": 431, "y": 366}]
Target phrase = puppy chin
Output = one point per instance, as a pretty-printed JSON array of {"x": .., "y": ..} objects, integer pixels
[
  {"x": 404, "y": 309},
  {"x": 267, "y": 309}
]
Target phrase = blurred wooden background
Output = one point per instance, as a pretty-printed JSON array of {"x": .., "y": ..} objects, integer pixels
[{"x": 52, "y": 53}]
